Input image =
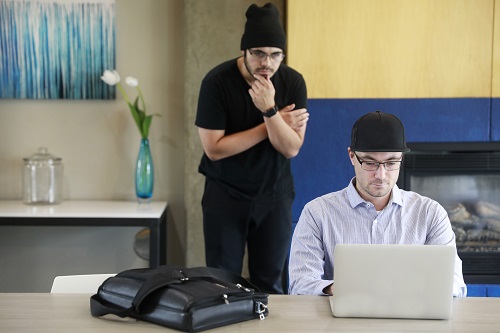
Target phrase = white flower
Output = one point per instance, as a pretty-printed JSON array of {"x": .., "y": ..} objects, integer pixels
[
  {"x": 110, "y": 77},
  {"x": 142, "y": 120},
  {"x": 131, "y": 81}
]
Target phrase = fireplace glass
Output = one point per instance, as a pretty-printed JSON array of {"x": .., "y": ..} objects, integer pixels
[
  {"x": 465, "y": 180},
  {"x": 473, "y": 206}
]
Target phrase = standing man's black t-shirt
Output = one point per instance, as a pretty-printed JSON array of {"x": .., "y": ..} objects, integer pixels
[{"x": 260, "y": 173}]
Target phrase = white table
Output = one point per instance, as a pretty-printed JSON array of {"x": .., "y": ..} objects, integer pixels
[
  {"x": 63, "y": 313},
  {"x": 95, "y": 213}
]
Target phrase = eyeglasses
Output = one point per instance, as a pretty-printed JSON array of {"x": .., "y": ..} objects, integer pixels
[
  {"x": 259, "y": 55},
  {"x": 372, "y": 166}
]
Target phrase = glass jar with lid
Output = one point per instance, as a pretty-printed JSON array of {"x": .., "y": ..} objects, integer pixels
[{"x": 42, "y": 178}]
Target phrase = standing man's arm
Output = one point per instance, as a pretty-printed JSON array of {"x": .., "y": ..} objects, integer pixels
[
  {"x": 283, "y": 137},
  {"x": 211, "y": 123},
  {"x": 217, "y": 145},
  {"x": 287, "y": 132}
]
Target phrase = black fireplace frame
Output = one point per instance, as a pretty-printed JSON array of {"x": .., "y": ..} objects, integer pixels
[{"x": 431, "y": 158}]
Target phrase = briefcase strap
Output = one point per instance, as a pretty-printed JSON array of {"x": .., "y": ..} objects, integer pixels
[
  {"x": 220, "y": 275},
  {"x": 166, "y": 275},
  {"x": 100, "y": 307}
]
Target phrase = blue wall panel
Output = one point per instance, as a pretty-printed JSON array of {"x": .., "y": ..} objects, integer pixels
[
  {"x": 476, "y": 290},
  {"x": 495, "y": 119},
  {"x": 322, "y": 165},
  {"x": 483, "y": 290}
]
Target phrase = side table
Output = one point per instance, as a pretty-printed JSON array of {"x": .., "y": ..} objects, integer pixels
[{"x": 95, "y": 213}]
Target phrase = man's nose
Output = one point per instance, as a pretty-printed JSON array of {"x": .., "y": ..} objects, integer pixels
[
  {"x": 266, "y": 60},
  {"x": 380, "y": 172}
]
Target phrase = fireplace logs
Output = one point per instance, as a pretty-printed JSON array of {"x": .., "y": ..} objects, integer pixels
[{"x": 476, "y": 225}]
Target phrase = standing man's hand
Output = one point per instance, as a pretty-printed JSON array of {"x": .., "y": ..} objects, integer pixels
[
  {"x": 296, "y": 119},
  {"x": 285, "y": 135},
  {"x": 262, "y": 93}
]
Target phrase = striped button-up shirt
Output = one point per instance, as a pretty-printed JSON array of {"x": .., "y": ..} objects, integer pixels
[{"x": 344, "y": 217}]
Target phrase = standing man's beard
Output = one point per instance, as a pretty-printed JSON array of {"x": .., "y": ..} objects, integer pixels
[
  {"x": 260, "y": 68},
  {"x": 246, "y": 64}
]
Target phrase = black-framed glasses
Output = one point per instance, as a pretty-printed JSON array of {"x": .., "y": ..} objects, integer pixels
[
  {"x": 259, "y": 55},
  {"x": 372, "y": 166}
]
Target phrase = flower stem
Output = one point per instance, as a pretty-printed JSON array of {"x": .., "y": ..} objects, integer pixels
[
  {"x": 123, "y": 93},
  {"x": 142, "y": 99}
]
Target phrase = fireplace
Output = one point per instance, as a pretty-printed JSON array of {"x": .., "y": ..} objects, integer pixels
[{"x": 465, "y": 179}]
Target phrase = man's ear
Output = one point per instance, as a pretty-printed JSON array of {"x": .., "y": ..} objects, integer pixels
[{"x": 351, "y": 155}]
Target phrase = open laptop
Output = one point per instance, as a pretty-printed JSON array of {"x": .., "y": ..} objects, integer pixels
[{"x": 393, "y": 281}]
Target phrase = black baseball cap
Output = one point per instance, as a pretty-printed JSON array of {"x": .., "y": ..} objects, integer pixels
[{"x": 378, "y": 132}]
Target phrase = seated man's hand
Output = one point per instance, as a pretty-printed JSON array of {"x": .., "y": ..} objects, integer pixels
[{"x": 328, "y": 290}]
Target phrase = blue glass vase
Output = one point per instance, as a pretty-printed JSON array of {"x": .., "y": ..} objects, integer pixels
[{"x": 144, "y": 173}]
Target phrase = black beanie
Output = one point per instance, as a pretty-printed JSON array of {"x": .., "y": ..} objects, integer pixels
[
  {"x": 263, "y": 28},
  {"x": 378, "y": 132}
]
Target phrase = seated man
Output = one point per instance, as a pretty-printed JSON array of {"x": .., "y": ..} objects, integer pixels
[{"x": 371, "y": 210}]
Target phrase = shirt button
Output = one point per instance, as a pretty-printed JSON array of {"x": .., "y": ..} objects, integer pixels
[{"x": 375, "y": 221}]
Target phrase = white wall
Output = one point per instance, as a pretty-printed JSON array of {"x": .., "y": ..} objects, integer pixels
[{"x": 98, "y": 140}]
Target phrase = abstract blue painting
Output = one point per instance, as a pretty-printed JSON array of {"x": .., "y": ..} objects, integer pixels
[{"x": 56, "y": 49}]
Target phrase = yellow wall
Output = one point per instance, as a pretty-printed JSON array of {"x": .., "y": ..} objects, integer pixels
[
  {"x": 393, "y": 48},
  {"x": 495, "y": 87}
]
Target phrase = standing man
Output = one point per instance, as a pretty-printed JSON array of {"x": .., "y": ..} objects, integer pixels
[
  {"x": 251, "y": 120},
  {"x": 371, "y": 209}
]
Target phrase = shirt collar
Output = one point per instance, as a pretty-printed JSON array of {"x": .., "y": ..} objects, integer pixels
[{"x": 355, "y": 199}]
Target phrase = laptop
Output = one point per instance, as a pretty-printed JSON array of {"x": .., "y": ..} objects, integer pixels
[{"x": 393, "y": 281}]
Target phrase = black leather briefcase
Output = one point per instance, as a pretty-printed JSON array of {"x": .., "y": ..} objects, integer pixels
[{"x": 187, "y": 299}]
